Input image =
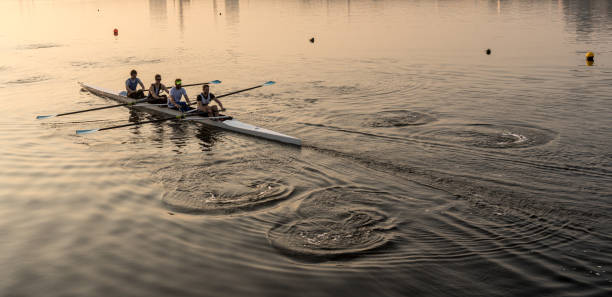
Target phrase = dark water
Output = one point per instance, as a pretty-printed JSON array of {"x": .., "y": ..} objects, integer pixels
[{"x": 428, "y": 167}]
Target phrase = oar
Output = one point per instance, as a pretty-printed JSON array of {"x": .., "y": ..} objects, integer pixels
[
  {"x": 247, "y": 89},
  {"x": 79, "y": 132},
  {"x": 111, "y": 106},
  {"x": 214, "y": 82},
  {"x": 206, "y": 83},
  {"x": 182, "y": 116}
]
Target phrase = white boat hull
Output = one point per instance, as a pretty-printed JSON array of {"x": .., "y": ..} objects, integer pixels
[{"x": 231, "y": 125}]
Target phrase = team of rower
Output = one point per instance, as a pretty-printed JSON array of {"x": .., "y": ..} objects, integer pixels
[{"x": 175, "y": 95}]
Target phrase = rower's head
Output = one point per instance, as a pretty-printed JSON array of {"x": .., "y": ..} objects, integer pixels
[
  {"x": 178, "y": 83},
  {"x": 157, "y": 78},
  {"x": 133, "y": 73},
  {"x": 205, "y": 88}
]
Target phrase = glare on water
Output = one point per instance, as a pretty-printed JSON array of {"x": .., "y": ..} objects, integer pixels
[{"x": 428, "y": 167}]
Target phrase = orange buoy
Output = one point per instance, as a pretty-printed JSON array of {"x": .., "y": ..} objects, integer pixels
[{"x": 116, "y": 32}]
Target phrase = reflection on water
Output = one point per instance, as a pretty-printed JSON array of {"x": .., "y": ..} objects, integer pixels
[
  {"x": 178, "y": 132},
  {"x": 135, "y": 116},
  {"x": 208, "y": 138},
  {"x": 182, "y": 6},
  {"x": 158, "y": 10},
  {"x": 232, "y": 11},
  {"x": 215, "y": 11},
  {"x": 588, "y": 17}
]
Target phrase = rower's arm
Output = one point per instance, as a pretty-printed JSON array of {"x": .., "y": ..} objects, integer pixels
[
  {"x": 219, "y": 102},
  {"x": 127, "y": 88},
  {"x": 187, "y": 99},
  {"x": 173, "y": 102},
  {"x": 152, "y": 92}
]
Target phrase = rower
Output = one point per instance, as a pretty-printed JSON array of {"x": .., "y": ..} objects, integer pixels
[
  {"x": 204, "y": 99},
  {"x": 131, "y": 84},
  {"x": 155, "y": 90},
  {"x": 176, "y": 93}
]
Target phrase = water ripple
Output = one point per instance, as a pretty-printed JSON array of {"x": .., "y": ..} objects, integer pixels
[
  {"x": 38, "y": 46},
  {"x": 29, "y": 79},
  {"x": 488, "y": 135},
  {"x": 334, "y": 223},
  {"x": 224, "y": 187},
  {"x": 397, "y": 118}
]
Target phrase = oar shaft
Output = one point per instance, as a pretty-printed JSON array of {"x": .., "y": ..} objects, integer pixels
[
  {"x": 143, "y": 122},
  {"x": 240, "y": 91},
  {"x": 92, "y": 109},
  {"x": 198, "y": 84},
  {"x": 212, "y": 82},
  {"x": 235, "y": 92}
]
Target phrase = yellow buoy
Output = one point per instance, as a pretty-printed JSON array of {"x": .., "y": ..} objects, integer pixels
[{"x": 590, "y": 56}]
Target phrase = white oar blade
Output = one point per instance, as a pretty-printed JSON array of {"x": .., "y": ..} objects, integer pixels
[
  {"x": 269, "y": 83},
  {"x": 45, "y": 116},
  {"x": 215, "y": 82},
  {"x": 81, "y": 132}
]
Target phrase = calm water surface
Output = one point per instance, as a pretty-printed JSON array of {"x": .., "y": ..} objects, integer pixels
[{"x": 428, "y": 167}]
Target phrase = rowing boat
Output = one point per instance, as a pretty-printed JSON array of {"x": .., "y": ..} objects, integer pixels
[{"x": 228, "y": 124}]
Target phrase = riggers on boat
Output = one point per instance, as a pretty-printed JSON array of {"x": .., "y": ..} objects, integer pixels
[{"x": 230, "y": 124}]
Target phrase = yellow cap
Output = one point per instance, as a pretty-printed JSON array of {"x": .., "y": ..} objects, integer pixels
[{"x": 590, "y": 55}]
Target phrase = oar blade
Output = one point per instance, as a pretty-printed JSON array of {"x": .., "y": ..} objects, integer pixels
[
  {"x": 88, "y": 131},
  {"x": 215, "y": 82},
  {"x": 45, "y": 116},
  {"x": 269, "y": 83}
]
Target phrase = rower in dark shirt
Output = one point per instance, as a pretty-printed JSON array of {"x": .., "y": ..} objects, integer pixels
[
  {"x": 155, "y": 90},
  {"x": 131, "y": 86},
  {"x": 204, "y": 99}
]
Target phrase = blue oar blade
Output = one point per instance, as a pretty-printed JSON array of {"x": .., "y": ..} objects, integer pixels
[
  {"x": 45, "y": 116},
  {"x": 269, "y": 83},
  {"x": 214, "y": 82},
  {"x": 81, "y": 132}
]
